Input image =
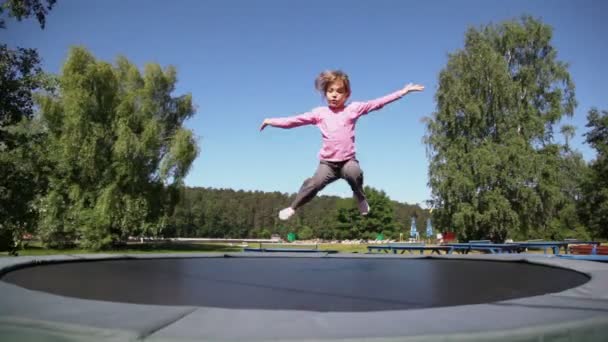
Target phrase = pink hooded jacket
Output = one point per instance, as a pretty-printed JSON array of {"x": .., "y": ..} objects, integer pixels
[{"x": 337, "y": 127}]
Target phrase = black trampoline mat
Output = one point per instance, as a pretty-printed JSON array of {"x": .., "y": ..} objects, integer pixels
[{"x": 314, "y": 284}]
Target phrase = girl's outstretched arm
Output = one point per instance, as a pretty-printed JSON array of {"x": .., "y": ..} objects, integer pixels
[
  {"x": 369, "y": 106},
  {"x": 309, "y": 118}
]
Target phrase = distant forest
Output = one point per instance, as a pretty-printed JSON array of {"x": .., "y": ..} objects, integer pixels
[{"x": 226, "y": 213}]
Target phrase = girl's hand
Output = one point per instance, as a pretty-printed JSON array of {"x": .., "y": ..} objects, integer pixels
[
  {"x": 264, "y": 124},
  {"x": 412, "y": 87}
]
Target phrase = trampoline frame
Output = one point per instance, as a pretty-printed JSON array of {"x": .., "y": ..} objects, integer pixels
[{"x": 580, "y": 313}]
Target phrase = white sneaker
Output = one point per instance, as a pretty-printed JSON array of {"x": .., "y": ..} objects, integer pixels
[
  {"x": 364, "y": 208},
  {"x": 286, "y": 213}
]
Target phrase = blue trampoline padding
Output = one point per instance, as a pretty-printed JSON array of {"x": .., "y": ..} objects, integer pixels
[
  {"x": 600, "y": 258},
  {"x": 575, "y": 314}
]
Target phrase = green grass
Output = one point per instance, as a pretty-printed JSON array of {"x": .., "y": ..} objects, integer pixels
[
  {"x": 341, "y": 248},
  {"x": 135, "y": 248},
  {"x": 35, "y": 248}
]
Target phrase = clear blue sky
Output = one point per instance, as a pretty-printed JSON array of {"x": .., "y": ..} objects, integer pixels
[{"x": 246, "y": 60}]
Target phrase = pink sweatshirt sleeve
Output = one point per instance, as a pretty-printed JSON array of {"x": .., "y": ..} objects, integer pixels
[
  {"x": 369, "y": 106},
  {"x": 309, "y": 118}
]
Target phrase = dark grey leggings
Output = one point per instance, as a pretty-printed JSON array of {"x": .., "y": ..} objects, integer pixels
[{"x": 328, "y": 172}]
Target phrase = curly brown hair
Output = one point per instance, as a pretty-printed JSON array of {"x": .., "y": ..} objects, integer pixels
[{"x": 327, "y": 77}]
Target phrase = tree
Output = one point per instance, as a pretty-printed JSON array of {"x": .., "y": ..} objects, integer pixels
[
  {"x": 381, "y": 218},
  {"x": 568, "y": 132},
  {"x": 305, "y": 233},
  {"x": 21, "y": 9},
  {"x": 593, "y": 207},
  {"x": 203, "y": 212},
  {"x": 572, "y": 171},
  {"x": 494, "y": 168},
  {"x": 118, "y": 151},
  {"x": 23, "y": 169},
  {"x": 21, "y": 161},
  {"x": 20, "y": 76}
]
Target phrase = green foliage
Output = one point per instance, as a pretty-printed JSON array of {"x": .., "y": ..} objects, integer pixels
[
  {"x": 380, "y": 219},
  {"x": 305, "y": 233},
  {"x": 21, "y": 9},
  {"x": 118, "y": 151},
  {"x": 20, "y": 75},
  {"x": 495, "y": 171},
  {"x": 593, "y": 207},
  {"x": 22, "y": 163},
  {"x": 226, "y": 213},
  {"x": 264, "y": 234},
  {"x": 23, "y": 168}
]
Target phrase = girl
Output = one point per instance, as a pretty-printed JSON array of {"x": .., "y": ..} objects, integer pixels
[{"x": 337, "y": 124}]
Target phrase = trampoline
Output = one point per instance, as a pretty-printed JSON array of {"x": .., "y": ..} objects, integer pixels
[{"x": 289, "y": 296}]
